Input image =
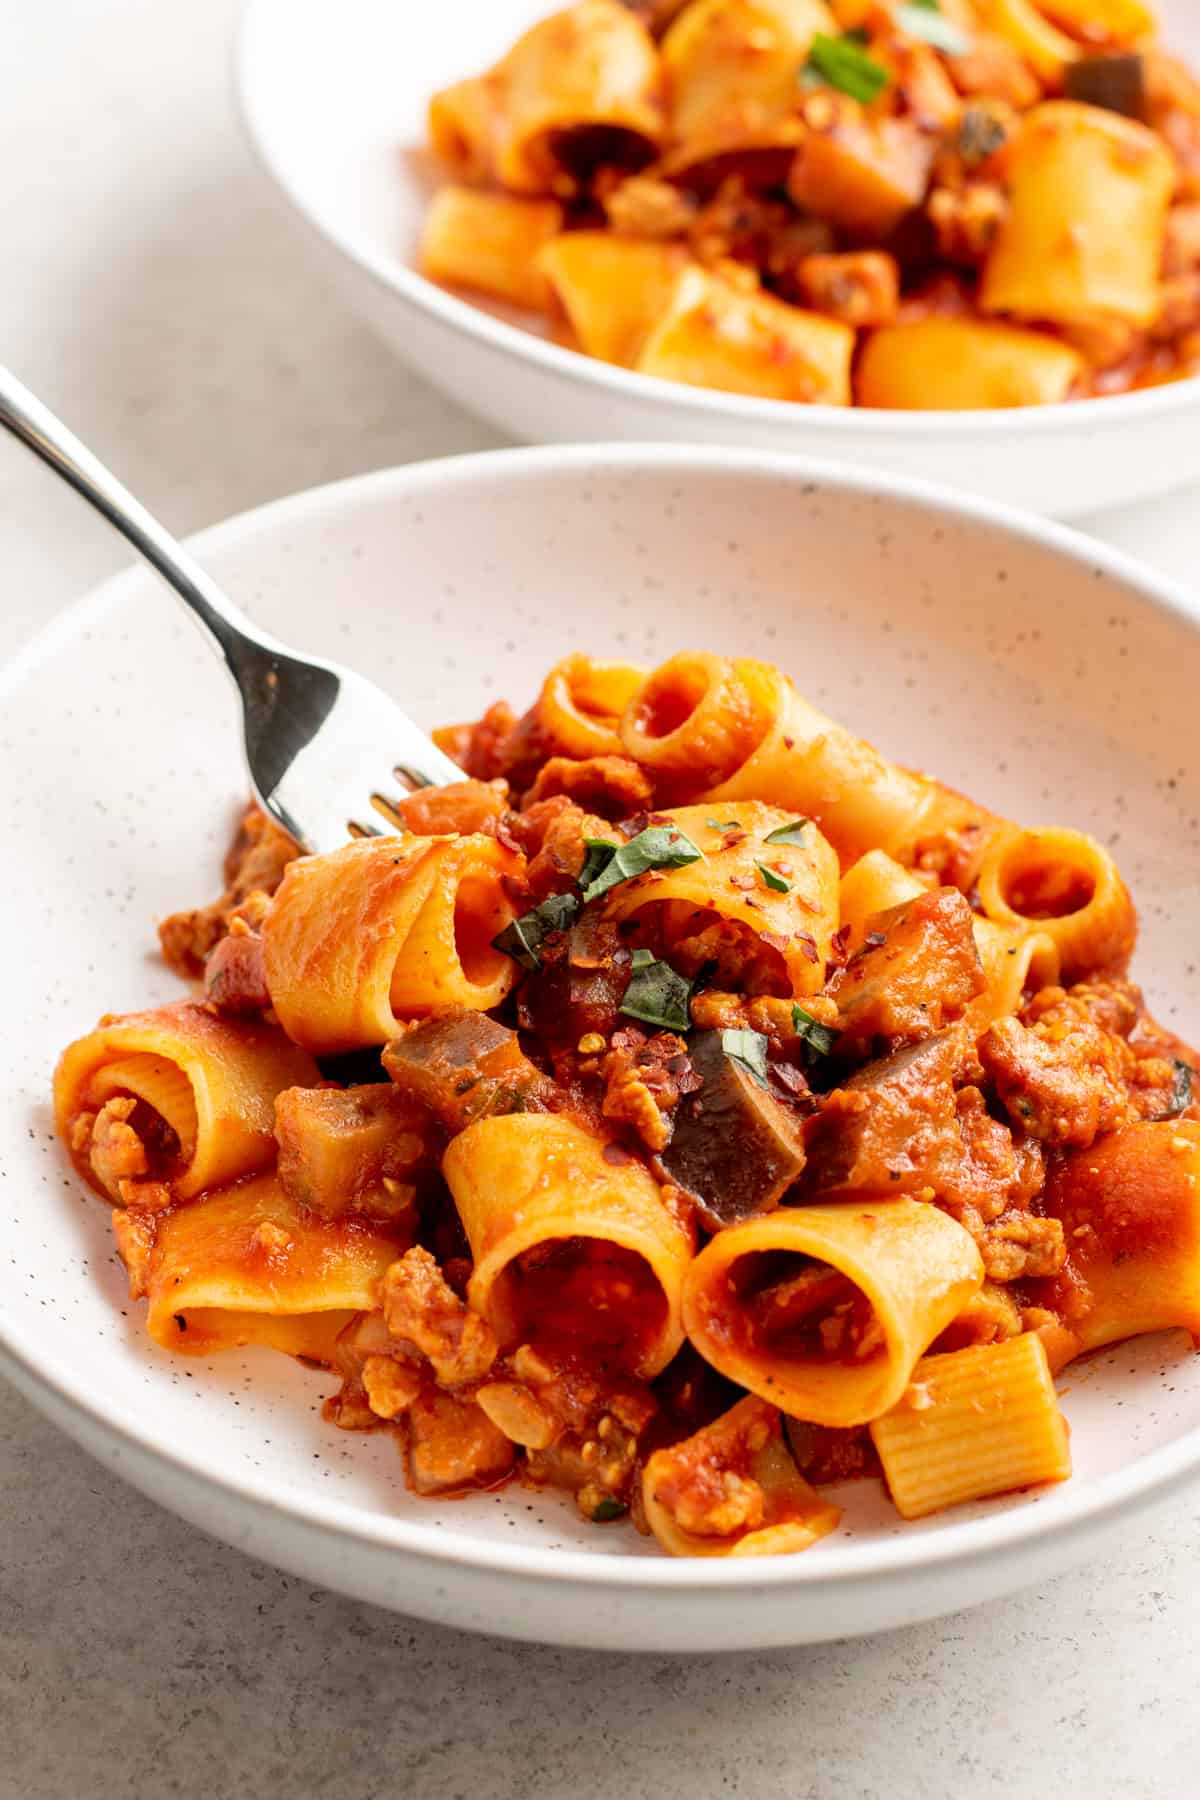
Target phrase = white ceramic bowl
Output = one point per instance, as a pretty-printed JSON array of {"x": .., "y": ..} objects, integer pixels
[
  {"x": 335, "y": 96},
  {"x": 1052, "y": 678}
]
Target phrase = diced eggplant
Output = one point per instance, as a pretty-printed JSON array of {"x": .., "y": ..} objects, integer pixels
[
  {"x": 887, "y": 1127},
  {"x": 578, "y": 990},
  {"x": 916, "y": 972},
  {"x": 735, "y": 1149},
  {"x": 353, "y": 1150},
  {"x": 1116, "y": 82},
  {"x": 463, "y": 1066}
]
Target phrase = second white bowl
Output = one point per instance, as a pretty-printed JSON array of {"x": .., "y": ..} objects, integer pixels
[{"x": 335, "y": 97}]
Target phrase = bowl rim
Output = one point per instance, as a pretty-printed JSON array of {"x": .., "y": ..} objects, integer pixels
[
  {"x": 397, "y": 277},
  {"x": 1049, "y": 1515}
]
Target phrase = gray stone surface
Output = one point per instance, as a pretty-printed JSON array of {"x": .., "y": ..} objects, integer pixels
[{"x": 154, "y": 291}]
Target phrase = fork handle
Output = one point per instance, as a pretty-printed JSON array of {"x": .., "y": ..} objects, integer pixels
[{"x": 36, "y": 427}]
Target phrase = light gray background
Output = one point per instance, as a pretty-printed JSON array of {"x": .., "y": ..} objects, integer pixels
[{"x": 152, "y": 290}]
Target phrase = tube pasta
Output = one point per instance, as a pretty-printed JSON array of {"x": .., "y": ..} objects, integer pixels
[
  {"x": 463, "y": 125},
  {"x": 714, "y": 335},
  {"x": 786, "y": 753},
  {"x": 973, "y": 1422},
  {"x": 731, "y": 67},
  {"x": 1065, "y": 886},
  {"x": 611, "y": 290},
  {"x": 189, "y": 1095},
  {"x": 960, "y": 364},
  {"x": 765, "y": 1303},
  {"x": 1130, "y": 1211},
  {"x": 247, "y": 1265},
  {"x": 581, "y": 703},
  {"x": 490, "y": 243},
  {"x": 387, "y": 929},
  {"x": 568, "y": 1246},
  {"x": 1114, "y": 21},
  {"x": 733, "y": 1489},
  {"x": 791, "y": 931},
  {"x": 1021, "y": 24},
  {"x": 1084, "y": 233},
  {"x": 588, "y": 72}
]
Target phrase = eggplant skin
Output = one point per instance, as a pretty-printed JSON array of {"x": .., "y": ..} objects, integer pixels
[
  {"x": 1117, "y": 83},
  {"x": 735, "y": 1149}
]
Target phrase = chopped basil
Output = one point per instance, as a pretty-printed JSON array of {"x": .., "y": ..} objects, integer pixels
[
  {"x": 778, "y": 882},
  {"x": 657, "y": 995},
  {"x": 818, "y": 1039},
  {"x": 524, "y": 938},
  {"x": 600, "y": 852},
  {"x": 608, "y": 1508},
  {"x": 749, "y": 1050},
  {"x": 1182, "y": 1088},
  {"x": 658, "y": 847},
  {"x": 927, "y": 23},
  {"x": 842, "y": 63},
  {"x": 722, "y": 824},
  {"x": 787, "y": 834}
]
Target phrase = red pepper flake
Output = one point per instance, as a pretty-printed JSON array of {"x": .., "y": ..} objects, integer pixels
[
  {"x": 775, "y": 939},
  {"x": 745, "y": 883},
  {"x": 791, "y": 1078},
  {"x": 789, "y": 743},
  {"x": 808, "y": 945},
  {"x": 839, "y": 947},
  {"x": 617, "y": 1155},
  {"x": 504, "y": 832}
]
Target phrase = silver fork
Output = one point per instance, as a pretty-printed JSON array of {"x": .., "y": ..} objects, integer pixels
[{"x": 318, "y": 737}]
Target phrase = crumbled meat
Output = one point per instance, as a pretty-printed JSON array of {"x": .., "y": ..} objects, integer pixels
[
  {"x": 556, "y": 865},
  {"x": 861, "y": 288},
  {"x": 257, "y": 858},
  {"x": 390, "y": 1384},
  {"x": 917, "y": 970},
  {"x": 990, "y": 1317},
  {"x": 644, "y": 1080},
  {"x": 714, "y": 1009},
  {"x": 734, "y": 956},
  {"x": 643, "y": 206},
  {"x": 1181, "y": 252},
  {"x": 1061, "y": 1079},
  {"x": 479, "y": 749},
  {"x": 127, "y": 1144},
  {"x": 598, "y": 1428},
  {"x": 450, "y": 1443},
  {"x": 967, "y": 223},
  {"x": 1022, "y": 1247},
  {"x": 1115, "y": 1006},
  {"x": 989, "y": 1171},
  {"x": 421, "y": 1309},
  {"x": 135, "y": 1231},
  {"x": 611, "y": 786}
]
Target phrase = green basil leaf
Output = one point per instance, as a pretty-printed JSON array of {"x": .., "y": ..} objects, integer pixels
[
  {"x": 928, "y": 24},
  {"x": 788, "y": 834},
  {"x": 841, "y": 62},
  {"x": 749, "y": 1050},
  {"x": 600, "y": 852},
  {"x": 818, "y": 1039},
  {"x": 658, "y": 847},
  {"x": 608, "y": 1508},
  {"x": 773, "y": 879},
  {"x": 657, "y": 994},
  {"x": 524, "y": 938}
]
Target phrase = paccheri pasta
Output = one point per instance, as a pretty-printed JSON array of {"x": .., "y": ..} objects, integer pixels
[
  {"x": 945, "y": 205},
  {"x": 689, "y": 1109}
]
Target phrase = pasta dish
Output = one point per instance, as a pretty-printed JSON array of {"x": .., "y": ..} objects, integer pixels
[
  {"x": 690, "y": 1109},
  {"x": 900, "y": 204}
]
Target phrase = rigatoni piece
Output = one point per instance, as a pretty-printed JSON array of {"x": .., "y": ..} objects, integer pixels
[
  {"x": 862, "y": 174},
  {"x": 612, "y": 290},
  {"x": 713, "y": 335},
  {"x": 463, "y": 122},
  {"x": 490, "y": 243},
  {"x": 731, "y": 66},
  {"x": 1084, "y": 233},
  {"x": 1047, "y": 50},
  {"x": 961, "y": 365},
  {"x": 1065, "y": 886},
  {"x": 973, "y": 1423}
]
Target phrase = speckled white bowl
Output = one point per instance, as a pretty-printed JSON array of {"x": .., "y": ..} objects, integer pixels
[
  {"x": 334, "y": 97},
  {"x": 1054, "y": 679}
]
